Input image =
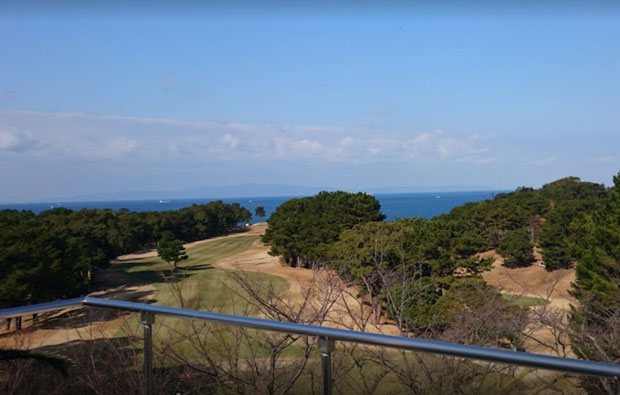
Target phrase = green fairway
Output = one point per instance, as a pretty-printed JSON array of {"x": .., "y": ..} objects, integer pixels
[
  {"x": 197, "y": 279},
  {"x": 197, "y": 282},
  {"x": 524, "y": 301}
]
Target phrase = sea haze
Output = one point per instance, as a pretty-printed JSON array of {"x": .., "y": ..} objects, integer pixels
[{"x": 393, "y": 205}]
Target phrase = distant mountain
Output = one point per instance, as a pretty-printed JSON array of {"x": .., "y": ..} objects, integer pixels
[
  {"x": 420, "y": 189},
  {"x": 242, "y": 190}
]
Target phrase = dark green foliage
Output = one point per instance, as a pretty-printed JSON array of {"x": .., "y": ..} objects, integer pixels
[
  {"x": 555, "y": 248},
  {"x": 408, "y": 270},
  {"x": 550, "y": 215},
  {"x": 299, "y": 227},
  {"x": 259, "y": 211},
  {"x": 171, "y": 250},
  {"x": 491, "y": 219},
  {"x": 424, "y": 273},
  {"x": 598, "y": 271},
  {"x": 469, "y": 243},
  {"x": 56, "y": 254},
  {"x": 406, "y": 265},
  {"x": 559, "y": 238},
  {"x": 516, "y": 248},
  {"x": 366, "y": 254},
  {"x": 572, "y": 188},
  {"x": 596, "y": 320},
  {"x": 418, "y": 301}
]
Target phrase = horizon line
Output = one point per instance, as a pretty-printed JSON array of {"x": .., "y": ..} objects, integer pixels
[{"x": 214, "y": 198}]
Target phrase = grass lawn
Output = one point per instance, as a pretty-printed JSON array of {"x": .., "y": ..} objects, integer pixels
[
  {"x": 200, "y": 282},
  {"x": 524, "y": 301},
  {"x": 202, "y": 286}
]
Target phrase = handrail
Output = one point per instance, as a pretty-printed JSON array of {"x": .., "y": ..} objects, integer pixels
[
  {"x": 39, "y": 308},
  {"x": 148, "y": 312}
]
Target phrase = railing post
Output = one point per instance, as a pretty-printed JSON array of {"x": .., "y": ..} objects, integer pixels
[
  {"x": 326, "y": 346},
  {"x": 147, "y": 320}
]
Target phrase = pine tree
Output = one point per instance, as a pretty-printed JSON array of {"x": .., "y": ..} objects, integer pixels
[
  {"x": 595, "y": 323},
  {"x": 171, "y": 250}
]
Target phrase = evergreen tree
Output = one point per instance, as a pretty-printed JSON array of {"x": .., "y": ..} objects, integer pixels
[
  {"x": 259, "y": 211},
  {"x": 516, "y": 248},
  {"x": 299, "y": 227},
  {"x": 595, "y": 322},
  {"x": 171, "y": 250}
]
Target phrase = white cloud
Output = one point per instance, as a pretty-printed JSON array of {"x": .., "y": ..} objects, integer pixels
[
  {"x": 85, "y": 135},
  {"x": 384, "y": 147},
  {"x": 13, "y": 140},
  {"x": 113, "y": 148},
  {"x": 342, "y": 150},
  {"x": 229, "y": 141},
  {"x": 284, "y": 148},
  {"x": 117, "y": 147},
  {"x": 8, "y": 139},
  {"x": 346, "y": 141},
  {"x": 437, "y": 145}
]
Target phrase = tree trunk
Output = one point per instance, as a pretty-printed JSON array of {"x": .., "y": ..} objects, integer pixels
[{"x": 376, "y": 307}]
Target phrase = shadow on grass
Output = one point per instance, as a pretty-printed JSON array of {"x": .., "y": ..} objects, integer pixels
[
  {"x": 121, "y": 281},
  {"x": 129, "y": 275},
  {"x": 194, "y": 268},
  {"x": 115, "y": 283},
  {"x": 239, "y": 229},
  {"x": 79, "y": 318},
  {"x": 83, "y": 316}
]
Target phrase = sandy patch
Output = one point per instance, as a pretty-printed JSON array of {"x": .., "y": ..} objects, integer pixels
[{"x": 533, "y": 280}]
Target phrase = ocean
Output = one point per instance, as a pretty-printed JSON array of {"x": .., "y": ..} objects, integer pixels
[{"x": 393, "y": 205}]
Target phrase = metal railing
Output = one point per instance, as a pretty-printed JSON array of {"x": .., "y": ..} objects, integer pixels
[{"x": 326, "y": 336}]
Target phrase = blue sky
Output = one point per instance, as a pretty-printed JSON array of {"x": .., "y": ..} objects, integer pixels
[{"x": 115, "y": 101}]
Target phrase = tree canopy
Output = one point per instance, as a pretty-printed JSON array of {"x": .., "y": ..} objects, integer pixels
[
  {"x": 171, "y": 250},
  {"x": 57, "y": 253},
  {"x": 516, "y": 248},
  {"x": 596, "y": 320},
  {"x": 299, "y": 227},
  {"x": 259, "y": 211}
]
